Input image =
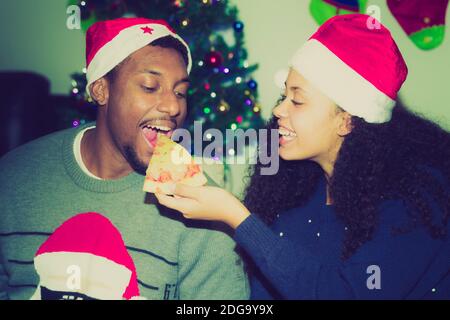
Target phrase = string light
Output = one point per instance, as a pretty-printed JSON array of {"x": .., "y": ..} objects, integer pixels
[
  {"x": 207, "y": 110},
  {"x": 179, "y": 3},
  {"x": 238, "y": 80},
  {"x": 213, "y": 95}
]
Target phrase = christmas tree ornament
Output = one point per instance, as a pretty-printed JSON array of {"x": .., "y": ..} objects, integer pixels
[
  {"x": 252, "y": 84},
  {"x": 213, "y": 59},
  {"x": 238, "y": 26},
  {"x": 422, "y": 21}
]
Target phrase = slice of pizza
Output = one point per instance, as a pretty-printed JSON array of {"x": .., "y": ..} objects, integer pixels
[{"x": 171, "y": 164}]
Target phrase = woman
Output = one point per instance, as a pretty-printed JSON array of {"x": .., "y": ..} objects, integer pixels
[{"x": 360, "y": 205}]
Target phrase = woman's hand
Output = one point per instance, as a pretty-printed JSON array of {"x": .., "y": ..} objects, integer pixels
[{"x": 205, "y": 203}]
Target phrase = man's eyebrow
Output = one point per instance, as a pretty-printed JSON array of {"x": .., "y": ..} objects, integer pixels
[{"x": 157, "y": 73}]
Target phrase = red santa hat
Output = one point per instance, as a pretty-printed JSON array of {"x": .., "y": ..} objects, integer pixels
[
  {"x": 109, "y": 42},
  {"x": 356, "y": 63},
  {"x": 89, "y": 245}
]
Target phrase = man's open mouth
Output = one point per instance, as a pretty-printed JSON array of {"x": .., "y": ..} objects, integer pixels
[{"x": 151, "y": 131}]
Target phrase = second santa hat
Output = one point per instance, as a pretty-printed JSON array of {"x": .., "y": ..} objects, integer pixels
[
  {"x": 91, "y": 244},
  {"x": 356, "y": 64}
]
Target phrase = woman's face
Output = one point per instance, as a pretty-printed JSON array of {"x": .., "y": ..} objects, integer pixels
[{"x": 310, "y": 124}]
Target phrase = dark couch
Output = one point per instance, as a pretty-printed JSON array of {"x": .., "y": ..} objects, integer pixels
[{"x": 28, "y": 110}]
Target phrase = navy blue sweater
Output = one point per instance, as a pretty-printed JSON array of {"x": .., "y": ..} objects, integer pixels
[{"x": 298, "y": 257}]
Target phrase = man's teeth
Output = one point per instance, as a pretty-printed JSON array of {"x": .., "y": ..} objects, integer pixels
[
  {"x": 160, "y": 128},
  {"x": 286, "y": 133}
]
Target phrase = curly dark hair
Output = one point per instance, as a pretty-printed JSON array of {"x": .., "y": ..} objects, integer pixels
[{"x": 395, "y": 160}]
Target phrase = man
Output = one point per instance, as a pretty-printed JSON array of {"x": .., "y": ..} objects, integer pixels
[{"x": 137, "y": 71}]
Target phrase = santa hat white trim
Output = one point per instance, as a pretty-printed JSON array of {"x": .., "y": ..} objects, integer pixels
[
  {"x": 101, "y": 278},
  {"x": 125, "y": 43},
  {"x": 347, "y": 88}
]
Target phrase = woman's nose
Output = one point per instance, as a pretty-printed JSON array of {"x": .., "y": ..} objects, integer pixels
[{"x": 280, "y": 111}]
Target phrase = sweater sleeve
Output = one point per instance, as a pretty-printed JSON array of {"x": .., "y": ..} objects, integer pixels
[{"x": 387, "y": 267}]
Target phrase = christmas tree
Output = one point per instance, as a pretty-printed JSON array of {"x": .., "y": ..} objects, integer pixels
[{"x": 223, "y": 94}]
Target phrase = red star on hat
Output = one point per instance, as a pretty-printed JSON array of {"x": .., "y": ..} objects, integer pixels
[{"x": 147, "y": 30}]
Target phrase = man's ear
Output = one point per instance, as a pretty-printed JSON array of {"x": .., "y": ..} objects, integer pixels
[
  {"x": 345, "y": 125},
  {"x": 100, "y": 91}
]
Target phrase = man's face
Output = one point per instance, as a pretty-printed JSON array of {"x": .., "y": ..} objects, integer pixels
[{"x": 147, "y": 97}]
